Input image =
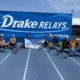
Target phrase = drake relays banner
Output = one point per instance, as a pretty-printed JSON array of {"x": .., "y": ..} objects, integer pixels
[{"x": 35, "y": 24}]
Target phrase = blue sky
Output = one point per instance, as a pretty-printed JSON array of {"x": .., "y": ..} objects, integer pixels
[{"x": 53, "y": 6}]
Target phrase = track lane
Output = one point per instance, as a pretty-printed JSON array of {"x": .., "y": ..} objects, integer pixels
[
  {"x": 40, "y": 67},
  {"x": 13, "y": 67},
  {"x": 68, "y": 68}
]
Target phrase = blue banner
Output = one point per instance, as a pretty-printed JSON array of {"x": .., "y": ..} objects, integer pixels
[{"x": 35, "y": 24}]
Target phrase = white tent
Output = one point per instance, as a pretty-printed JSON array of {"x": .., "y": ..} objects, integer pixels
[{"x": 76, "y": 21}]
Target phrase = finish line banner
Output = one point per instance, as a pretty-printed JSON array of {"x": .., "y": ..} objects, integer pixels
[{"x": 36, "y": 25}]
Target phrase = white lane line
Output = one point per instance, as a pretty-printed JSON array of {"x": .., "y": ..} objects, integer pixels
[
  {"x": 75, "y": 61},
  {"x": 54, "y": 65},
  {"x": 5, "y": 57},
  {"x": 24, "y": 77}
]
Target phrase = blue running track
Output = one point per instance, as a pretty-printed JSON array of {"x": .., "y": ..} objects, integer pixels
[{"x": 33, "y": 64}]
